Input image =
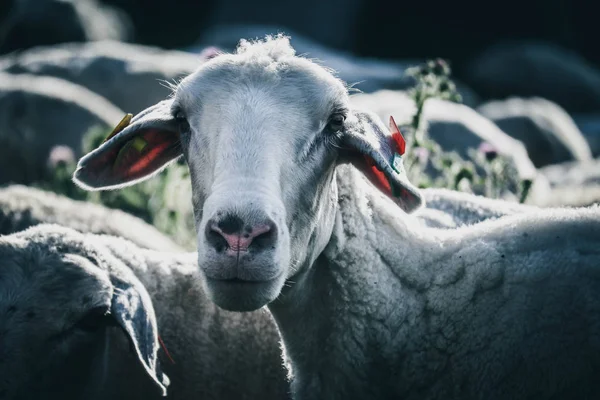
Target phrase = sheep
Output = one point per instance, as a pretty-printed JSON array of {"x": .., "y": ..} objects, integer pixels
[
  {"x": 455, "y": 127},
  {"x": 574, "y": 184},
  {"x": 22, "y": 207},
  {"x": 34, "y": 22},
  {"x": 572, "y": 196},
  {"x": 547, "y": 131},
  {"x": 590, "y": 127},
  {"x": 451, "y": 209},
  {"x": 573, "y": 173},
  {"x": 132, "y": 77},
  {"x": 61, "y": 294},
  {"x": 38, "y": 113},
  {"x": 368, "y": 304}
]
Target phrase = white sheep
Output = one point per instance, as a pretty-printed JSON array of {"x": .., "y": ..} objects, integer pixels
[
  {"x": 574, "y": 184},
  {"x": 61, "y": 294},
  {"x": 455, "y": 127},
  {"x": 546, "y": 129},
  {"x": 22, "y": 207},
  {"x": 369, "y": 304},
  {"x": 573, "y": 173},
  {"x": 451, "y": 209}
]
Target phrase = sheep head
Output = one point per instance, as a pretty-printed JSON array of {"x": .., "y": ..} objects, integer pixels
[
  {"x": 76, "y": 323},
  {"x": 262, "y": 131}
]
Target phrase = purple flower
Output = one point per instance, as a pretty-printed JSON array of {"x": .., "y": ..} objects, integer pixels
[
  {"x": 441, "y": 67},
  {"x": 60, "y": 155},
  {"x": 421, "y": 154},
  {"x": 489, "y": 151},
  {"x": 209, "y": 52}
]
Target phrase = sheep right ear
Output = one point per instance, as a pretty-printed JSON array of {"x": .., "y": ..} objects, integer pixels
[
  {"x": 135, "y": 150},
  {"x": 377, "y": 152},
  {"x": 132, "y": 309}
]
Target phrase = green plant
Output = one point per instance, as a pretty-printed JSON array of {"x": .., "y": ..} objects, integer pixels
[
  {"x": 163, "y": 201},
  {"x": 485, "y": 172}
]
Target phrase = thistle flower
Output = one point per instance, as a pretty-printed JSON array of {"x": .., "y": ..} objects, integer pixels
[
  {"x": 60, "y": 156},
  {"x": 489, "y": 151}
]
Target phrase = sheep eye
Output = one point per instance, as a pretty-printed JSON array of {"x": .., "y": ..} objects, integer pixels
[
  {"x": 336, "y": 122},
  {"x": 182, "y": 121},
  {"x": 95, "y": 319},
  {"x": 179, "y": 115}
]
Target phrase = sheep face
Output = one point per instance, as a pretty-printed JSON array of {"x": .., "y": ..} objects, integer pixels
[
  {"x": 262, "y": 131},
  {"x": 260, "y": 140},
  {"x": 60, "y": 327}
]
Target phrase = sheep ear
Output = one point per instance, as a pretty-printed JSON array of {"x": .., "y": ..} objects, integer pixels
[
  {"x": 137, "y": 148},
  {"x": 132, "y": 308},
  {"x": 377, "y": 152}
]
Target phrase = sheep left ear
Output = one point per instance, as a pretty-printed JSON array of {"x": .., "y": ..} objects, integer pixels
[
  {"x": 379, "y": 157},
  {"x": 137, "y": 148}
]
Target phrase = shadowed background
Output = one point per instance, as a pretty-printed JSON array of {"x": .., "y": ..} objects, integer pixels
[{"x": 457, "y": 30}]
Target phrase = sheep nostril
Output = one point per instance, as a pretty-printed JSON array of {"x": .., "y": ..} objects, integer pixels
[
  {"x": 215, "y": 238},
  {"x": 264, "y": 238}
]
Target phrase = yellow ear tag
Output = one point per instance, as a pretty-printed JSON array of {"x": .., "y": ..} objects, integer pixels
[
  {"x": 120, "y": 126},
  {"x": 137, "y": 143}
]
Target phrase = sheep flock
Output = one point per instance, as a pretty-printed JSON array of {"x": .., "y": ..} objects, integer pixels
[{"x": 240, "y": 223}]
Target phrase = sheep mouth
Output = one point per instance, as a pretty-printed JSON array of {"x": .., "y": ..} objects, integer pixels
[
  {"x": 241, "y": 281},
  {"x": 237, "y": 294}
]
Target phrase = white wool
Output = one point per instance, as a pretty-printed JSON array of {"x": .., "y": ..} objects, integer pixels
[
  {"x": 274, "y": 47},
  {"x": 483, "y": 304},
  {"x": 212, "y": 354}
]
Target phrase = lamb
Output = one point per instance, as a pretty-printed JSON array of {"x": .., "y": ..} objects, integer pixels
[
  {"x": 38, "y": 113},
  {"x": 82, "y": 315},
  {"x": 368, "y": 304},
  {"x": 22, "y": 207}
]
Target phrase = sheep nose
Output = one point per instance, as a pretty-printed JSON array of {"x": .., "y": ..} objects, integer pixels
[{"x": 235, "y": 235}]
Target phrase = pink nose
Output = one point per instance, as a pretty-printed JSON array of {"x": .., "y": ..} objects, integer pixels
[{"x": 239, "y": 242}]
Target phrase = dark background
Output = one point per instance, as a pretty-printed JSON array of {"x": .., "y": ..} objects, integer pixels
[{"x": 456, "y": 30}]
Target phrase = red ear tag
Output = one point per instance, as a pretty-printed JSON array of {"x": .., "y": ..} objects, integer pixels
[{"x": 397, "y": 136}]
